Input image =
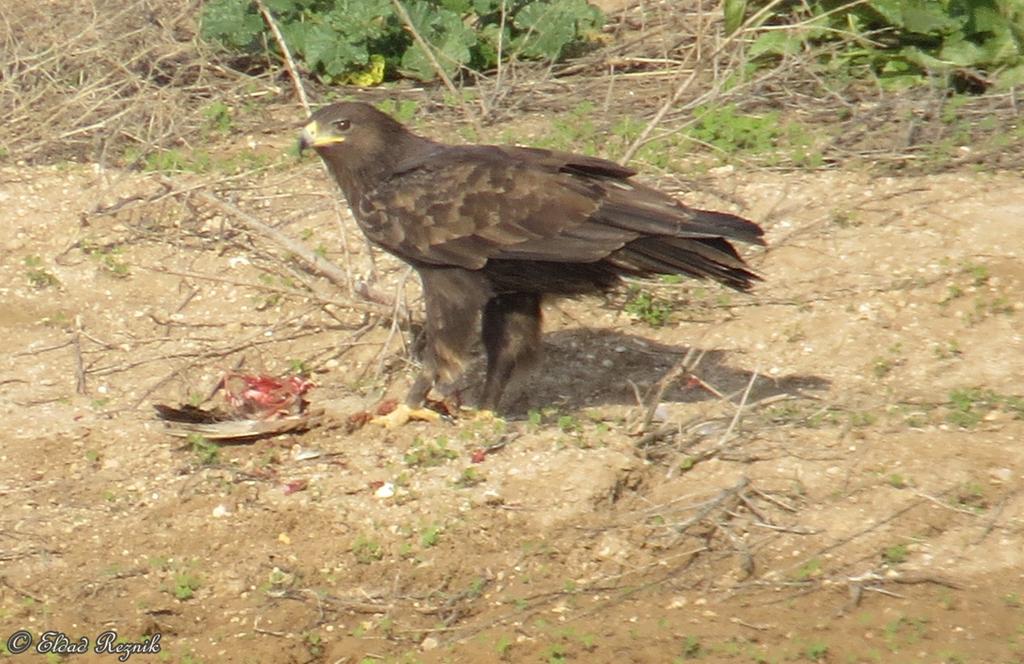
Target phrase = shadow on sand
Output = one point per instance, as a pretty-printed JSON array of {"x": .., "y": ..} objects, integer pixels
[{"x": 585, "y": 368}]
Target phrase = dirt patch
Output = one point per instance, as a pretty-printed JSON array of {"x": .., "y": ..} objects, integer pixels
[{"x": 865, "y": 505}]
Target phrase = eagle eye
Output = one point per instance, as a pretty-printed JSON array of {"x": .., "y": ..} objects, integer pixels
[{"x": 341, "y": 125}]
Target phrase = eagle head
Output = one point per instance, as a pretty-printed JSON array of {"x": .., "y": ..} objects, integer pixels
[
  {"x": 357, "y": 142},
  {"x": 350, "y": 132}
]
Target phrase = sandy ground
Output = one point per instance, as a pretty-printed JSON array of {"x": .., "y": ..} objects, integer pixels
[{"x": 863, "y": 505}]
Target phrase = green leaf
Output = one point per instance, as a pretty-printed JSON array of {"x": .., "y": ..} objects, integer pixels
[
  {"x": 279, "y": 7},
  {"x": 546, "y": 28},
  {"x": 927, "y": 18},
  {"x": 295, "y": 36},
  {"x": 890, "y": 10},
  {"x": 960, "y": 52},
  {"x": 487, "y": 44},
  {"x": 734, "y": 11},
  {"x": 485, "y": 7},
  {"x": 920, "y": 58},
  {"x": 457, "y": 6},
  {"x": 775, "y": 42},
  {"x": 1010, "y": 77},
  {"x": 336, "y": 38},
  {"x": 232, "y": 22},
  {"x": 334, "y": 56},
  {"x": 450, "y": 40}
]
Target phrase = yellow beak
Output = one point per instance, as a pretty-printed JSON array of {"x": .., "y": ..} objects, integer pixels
[{"x": 314, "y": 137}]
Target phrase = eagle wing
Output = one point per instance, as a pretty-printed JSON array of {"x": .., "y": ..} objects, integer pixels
[{"x": 463, "y": 206}]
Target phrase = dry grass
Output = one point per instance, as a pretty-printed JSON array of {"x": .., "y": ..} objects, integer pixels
[{"x": 105, "y": 75}]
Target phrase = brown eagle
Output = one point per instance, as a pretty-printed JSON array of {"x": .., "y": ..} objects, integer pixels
[{"x": 492, "y": 229}]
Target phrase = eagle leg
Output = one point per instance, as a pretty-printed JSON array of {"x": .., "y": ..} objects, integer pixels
[
  {"x": 454, "y": 299},
  {"x": 511, "y": 333}
]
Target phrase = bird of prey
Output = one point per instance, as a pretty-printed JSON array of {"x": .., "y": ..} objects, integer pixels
[{"x": 493, "y": 229}]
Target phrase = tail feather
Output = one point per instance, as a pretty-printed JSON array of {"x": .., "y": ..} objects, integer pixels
[
  {"x": 656, "y": 214},
  {"x": 730, "y": 226},
  {"x": 701, "y": 258}
]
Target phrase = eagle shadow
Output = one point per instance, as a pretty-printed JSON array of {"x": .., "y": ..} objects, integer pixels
[{"x": 586, "y": 368}]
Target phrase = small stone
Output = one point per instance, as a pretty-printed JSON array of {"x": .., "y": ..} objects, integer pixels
[{"x": 1001, "y": 474}]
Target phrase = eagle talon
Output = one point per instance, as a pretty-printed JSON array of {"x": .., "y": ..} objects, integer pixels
[
  {"x": 481, "y": 415},
  {"x": 403, "y": 414}
]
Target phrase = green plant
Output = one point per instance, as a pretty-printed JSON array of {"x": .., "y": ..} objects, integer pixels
[
  {"x": 809, "y": 570},
  {"x": 557, "y": 654},
  {"x": 948, "y": 350},
  {"x": 766, "y": 136},
  {"x": 574, "y": 130},
  {"x": 37, "y": 275},
  {"x": 862, "y": 418},
  {"x": 968, "y": 406},
  {"x": 895, "y": 554},
  {"x": 426, "y": 454},
  {"x": 974, "y": 44},
  {"x": 430, "y": 536},
  {"x": 972, "y": 496},
  {"x": 904, "y": 631},
  {"x": 691, "y": 648},
  {"x": 208, "y": 453},
  {"x": 367, "y": 550},
  {"x": 185, "y": 585},
  {"x": 979, "y": 274},
  {"x": 468, "y": 478},
  {"x": 882, "y": 366},
  {"x": 568, "y": 424},
  {"x": 402, "y": 110},
  {"x": 816, "y": 651},
  {"x": 218, "y": 117},
  {"x": 314, "y": 644},
  {"x": 503, "y": 646},
  {"x": 725, "y": 128},
  {"x": 364, "y": 41},
  {"x": 644, "y": 306}
]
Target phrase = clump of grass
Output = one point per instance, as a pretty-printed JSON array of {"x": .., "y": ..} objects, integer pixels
[
  {"x": 897, "y": 481},
  {"x": 109, "y": 258},
  {"x": 895, "y": 554},
  {"x": 809, "y": 570},
  {"x": 764, "y": 136},
  {"x": 206, "y": 452},
  {"x": 430, "y": 536},
  {"x": 38, "y": 276},
  {"x": 185, "y": 585},
  {"x": 468, "y": 478},
  {"x": 367, "y": 550},
  {"x": 425, "y": 454},
  {"x": 969, "y": 406},
  {"x": 648, "y": 308},
  {"x": 972, "y": 496}
]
